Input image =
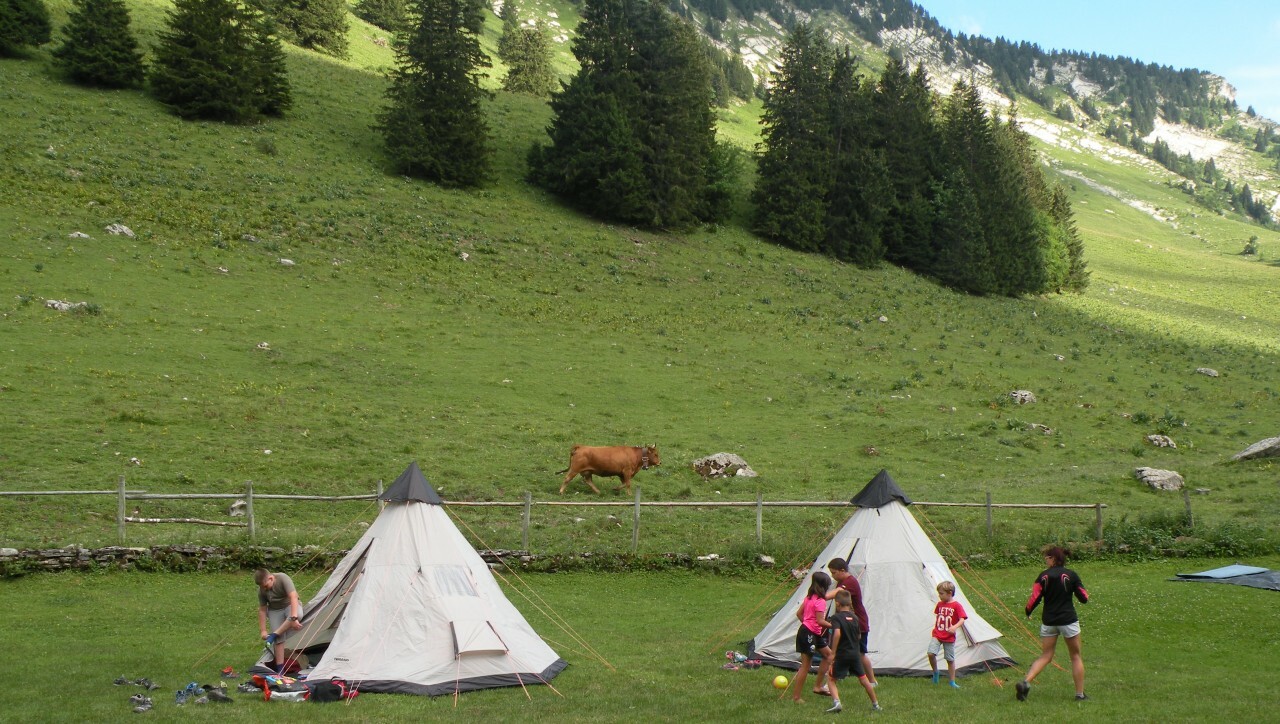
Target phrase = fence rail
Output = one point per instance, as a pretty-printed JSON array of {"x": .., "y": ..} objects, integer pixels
[{"x": 123, "y": 496}]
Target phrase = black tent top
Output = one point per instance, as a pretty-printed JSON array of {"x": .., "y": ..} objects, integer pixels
[
  {"x": 411, "y": 485},
  {"x": 879, "y": 492}
]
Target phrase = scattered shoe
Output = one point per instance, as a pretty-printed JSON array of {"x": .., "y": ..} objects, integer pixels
[
  {"x": 935, "y": 677},
  {"x": 731, "y": 667},
  {"x": 835, "y": 709},
  {"x": 1021, "y": 690},
  {"x": 141, "y": 708},
  {"x": 180, "y": 697},
  {"x": 752, "y": 664},
  {"x": 230, "y": 673},
  {"x": 121, "y": 681},
  {"x": 220, "y": 696},
  {"x": 1081, "y": 697},
  {"x": 201, "y": 700},
  {"x": 247, "y": 688},
  {"x": 139, "y": 699},
  {"x": 954, "y": 685}
]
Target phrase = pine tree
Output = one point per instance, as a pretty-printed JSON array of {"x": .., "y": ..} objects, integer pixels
[
  {"x": 529, "y": 62},
  {"x": 434, "y": 126},
  {"x": 317, "y": 24},
  {"x": 23, "y": 23},
  {"x": 1077, "y": 278},
  {"x": 271, "y": 87},
  {"x": 633, "y": 135},
  {"x": 510, "y": 15},
  {"x": 906, "y": 133},
  {"x": 794, "y": 171},
  {"x": 858, "y": 196},
  {"x": 386, "y": 14},
  {"x": 204, "y": 66},
  {"x": 99, "y": 49}
]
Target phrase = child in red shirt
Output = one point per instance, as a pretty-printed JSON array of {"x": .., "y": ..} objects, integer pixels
[{"x": 948, "y": 617}]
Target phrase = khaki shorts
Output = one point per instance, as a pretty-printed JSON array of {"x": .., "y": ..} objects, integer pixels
[
  {"x": 1069, "y": 631},
  {"x": 946, "y": 648}
]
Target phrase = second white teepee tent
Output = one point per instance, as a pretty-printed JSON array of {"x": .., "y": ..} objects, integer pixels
[
  {"x": 414, "y": 609},
  {"x": 898, "y": 568}
]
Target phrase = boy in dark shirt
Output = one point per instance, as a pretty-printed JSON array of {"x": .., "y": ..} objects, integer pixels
[{"x": 845, "y": 635}]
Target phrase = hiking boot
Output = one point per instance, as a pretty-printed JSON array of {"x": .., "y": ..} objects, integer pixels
[
  {"x": 835, "y": 708},
  {"x": 219, "y": 696},
  {"x": 1021, "y": 689}
]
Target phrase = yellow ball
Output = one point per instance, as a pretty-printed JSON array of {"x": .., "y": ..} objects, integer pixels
[{"x": 780, "y": 682}]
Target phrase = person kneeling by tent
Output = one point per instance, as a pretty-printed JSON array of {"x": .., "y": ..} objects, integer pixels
[{"x": 278, "y": 610}]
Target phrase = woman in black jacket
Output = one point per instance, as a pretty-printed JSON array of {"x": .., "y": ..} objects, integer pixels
[{"x": 1056, "y": 586}]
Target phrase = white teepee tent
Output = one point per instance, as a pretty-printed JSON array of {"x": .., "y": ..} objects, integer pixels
[
  {"x": 413, "y": 609},
  {"x": 898, "y": 569}
]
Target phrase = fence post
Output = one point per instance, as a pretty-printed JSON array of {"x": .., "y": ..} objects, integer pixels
[
  {"x": 635, "y": 524},
  {"x": 1097, "y": 507},
  {"x": 759, "y": 519},
  {"x": 528, "y": 513},
  {"x": 250, "y": 521},
  {"x": 120, "y": 509},
  {"x": 989, "y": 514},
  {"x": 381, "y": 503}
]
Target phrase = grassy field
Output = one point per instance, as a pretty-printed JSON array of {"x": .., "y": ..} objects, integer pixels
[
  {"x": 482, "y": 333},
  {"x": 1154, "y": 651}
]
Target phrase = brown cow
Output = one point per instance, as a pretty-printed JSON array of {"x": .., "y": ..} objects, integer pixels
[{"x": 616, "y": 461}]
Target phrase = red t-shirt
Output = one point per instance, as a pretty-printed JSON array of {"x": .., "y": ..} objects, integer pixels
[
  {"x": 945, "y": 616},
  {"x": 850, "y": 584}
]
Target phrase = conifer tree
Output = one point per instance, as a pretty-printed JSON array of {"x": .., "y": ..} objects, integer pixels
[
  {"x": 204, "y": 65},
  {"x": 510, "y": 15},
  {"x": 857, "y": 198},
  {"x": 386, "y": 14},
  {"x": 633, "y": 135},
  {"x": 23, "y": 23},
  {"x": 433, "y": 125},
  {"x": 99, "y": 49},
  {"x": 529, "y": 62},
  {"x": 906, "y": 133},
  {"x": 794, "y": 171},
  {"x": 317, "y": 24},
  {"x": 1077, "y": 277},
  {"x": 271, "y": 89}
]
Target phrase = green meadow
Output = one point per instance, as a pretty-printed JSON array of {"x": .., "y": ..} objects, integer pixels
[
  {"x": 649, "y": 647},
  {"x": 482, "y": 333}
]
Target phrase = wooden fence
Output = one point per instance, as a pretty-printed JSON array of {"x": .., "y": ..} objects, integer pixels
[{"x": 527, "y": 504}]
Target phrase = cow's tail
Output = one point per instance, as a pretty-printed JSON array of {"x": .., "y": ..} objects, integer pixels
[{"x": 561, "y": 472}]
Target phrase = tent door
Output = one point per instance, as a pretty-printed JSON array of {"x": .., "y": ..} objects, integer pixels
[{"x": 476, "y": 636}]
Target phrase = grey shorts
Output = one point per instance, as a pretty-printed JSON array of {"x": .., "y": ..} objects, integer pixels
[
  {"x": 1069, "y": 631},
  {"x": 946, "y": 648},
  {"x": 276, "y": 617}
]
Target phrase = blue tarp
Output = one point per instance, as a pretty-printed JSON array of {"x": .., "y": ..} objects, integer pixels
[{"x": 1238, "y": 574}]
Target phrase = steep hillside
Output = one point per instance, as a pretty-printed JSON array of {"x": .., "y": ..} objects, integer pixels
[{"x": 482, "y": 333}]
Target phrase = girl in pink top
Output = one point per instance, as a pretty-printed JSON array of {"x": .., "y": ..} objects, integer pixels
[{"x": 811, "y": 638}]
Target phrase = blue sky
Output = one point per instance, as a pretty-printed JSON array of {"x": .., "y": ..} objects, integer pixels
[{"x": 1237, "y": 39}]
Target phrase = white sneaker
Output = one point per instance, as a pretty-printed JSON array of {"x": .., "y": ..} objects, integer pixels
[{"x": 835, "y": 709}]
